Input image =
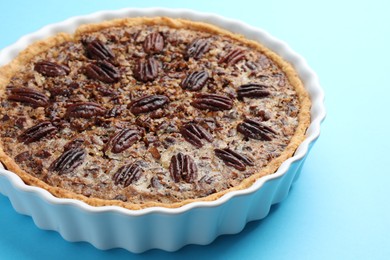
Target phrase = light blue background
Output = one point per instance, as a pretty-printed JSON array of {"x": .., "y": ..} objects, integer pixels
[{"x": 339, "y": 208}]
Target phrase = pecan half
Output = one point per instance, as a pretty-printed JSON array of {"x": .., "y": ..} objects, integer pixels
[
  {"x": 194, "y": 133},
  {"x": 232, "y": 57},
  {"x": 122, "y": 140},
  {"x": 212, "y": 102},
  {"x": 37, "y": 132},
  {"x": 127, "y": 174},
  {"x": 30, "y": 96},
  {"x": 68, "y": 161},
  {"x": 197, "y": 48},
  {"x": 183, "y": 167},
  {"x": 85, "y": 110},
  {"x": 97, "y": 50},
  {"x": 103, "y": 71},
  {"x": 146, "y": 70},
  {"x": 147, "y": 104},
  {"x": 51, "y": 69},
  {"x": 154, "y": 43},
  {"x": 256, "y": 130},
  {"x": 253, "y": 90},
  {"x": 233, "y": 159},
  {"x": 195, "y": 80}
]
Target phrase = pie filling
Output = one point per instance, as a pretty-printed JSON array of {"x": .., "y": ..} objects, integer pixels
[{"x": 148, "y": 113}]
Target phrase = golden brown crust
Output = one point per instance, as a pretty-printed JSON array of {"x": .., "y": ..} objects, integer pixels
[{"x": 7, "y": 71}]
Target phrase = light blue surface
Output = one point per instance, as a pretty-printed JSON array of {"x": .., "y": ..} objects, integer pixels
[{"x": 339, "y": 207}]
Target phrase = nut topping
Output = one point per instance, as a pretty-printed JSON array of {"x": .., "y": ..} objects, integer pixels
[
  {"x": 68, "y": 161},
  {"x": 122, "y": 140},
  {"x": 97, "y": 50},
  {"x": 233, "y": 159},
  {"x": 147, "y": 104},
  {"x": 51, "y": 69},
  {"x": 256, "y": 130},
  {"x": 137, "y": 113},
  {"x": 233, "y": 57},
  {"x": 30, "y": 96},
  {"x": 103, "y": 71},
  {"x": 37, "y": 132},
  {"x": 183, "y": 167},
  {"x": 197, "y": 48},
  {"x": 195, "y": 81},
  {"x": 213, "y": 102},
  {"x": 146, "y": 70},
  {"x": 85, "y": 110},
  {"x": 194, "y": 133},
  {"x": 127, "y": 174},
  {"x": 154, "y": 43},
  {"x": 253, "y": 90}
]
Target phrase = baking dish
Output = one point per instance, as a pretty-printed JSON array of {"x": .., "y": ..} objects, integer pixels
[{"x": 168, "y": 229}]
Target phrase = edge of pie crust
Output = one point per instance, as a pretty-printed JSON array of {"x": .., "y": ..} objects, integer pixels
[{"x": 7, "y": 71}]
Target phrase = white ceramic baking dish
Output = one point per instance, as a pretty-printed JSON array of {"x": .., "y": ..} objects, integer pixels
[{"x": 168, "y": 229}]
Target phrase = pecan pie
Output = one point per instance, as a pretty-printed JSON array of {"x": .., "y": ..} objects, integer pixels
[{"x": 144, "y": 112}]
